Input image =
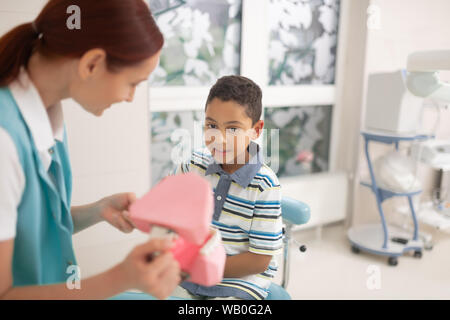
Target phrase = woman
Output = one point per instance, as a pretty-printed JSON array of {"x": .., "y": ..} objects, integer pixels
[{"x": 41, "y": 63}]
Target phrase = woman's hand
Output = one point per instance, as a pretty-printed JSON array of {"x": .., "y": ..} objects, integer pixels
[
  {"x": 157, "y": 277},
  {"x": 114, "y": 210},
  {"x": 155, "y": 274}
]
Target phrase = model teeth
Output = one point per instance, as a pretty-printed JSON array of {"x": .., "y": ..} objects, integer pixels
[{"x": 211, "y": 243}]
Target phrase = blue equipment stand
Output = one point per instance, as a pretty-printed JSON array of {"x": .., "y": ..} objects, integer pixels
[{"x": 382, "y": 239}]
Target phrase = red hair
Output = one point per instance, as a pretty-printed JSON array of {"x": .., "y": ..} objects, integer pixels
[{"x": 125, "y": 29}]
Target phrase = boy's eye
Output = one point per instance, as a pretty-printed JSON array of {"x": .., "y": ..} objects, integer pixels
[
  {"x": 211, "y": 126},
  {"x": 233, "y": 130}
]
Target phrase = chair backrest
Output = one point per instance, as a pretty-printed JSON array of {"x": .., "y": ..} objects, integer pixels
[{"x": 294, "y": 211}]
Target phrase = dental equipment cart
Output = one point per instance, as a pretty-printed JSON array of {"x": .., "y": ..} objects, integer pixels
[{"x": 382, "y": 239}]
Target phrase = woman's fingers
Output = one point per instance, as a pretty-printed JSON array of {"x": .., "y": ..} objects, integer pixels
[
  {"x": 163, "y": 262},
  {"x": 171, "y": 277},
  {"x": 122, "y": 222},
  {"x": 172, "y": 274},
  {"x": 125, "y": 225},
  {"x": 158, "y": 275},
  {"x": 154, "y": 245},
  {"x": 131, "y": 197},
  {"x": 167, "y": 271},
  {"x": 154, "y": 253},
  {"x": 126, "y": 217}
]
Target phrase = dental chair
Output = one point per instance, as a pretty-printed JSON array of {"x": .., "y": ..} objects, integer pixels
[{"x": 294, "y": 213}]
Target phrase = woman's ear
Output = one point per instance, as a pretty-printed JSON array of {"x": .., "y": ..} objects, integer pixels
[{"x": 91, "y": 62}]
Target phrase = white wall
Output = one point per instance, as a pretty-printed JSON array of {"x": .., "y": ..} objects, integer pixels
[
  {"x": 405, "y": 26},
  {"x": 349, "y": 88},
  {"x": 108, "y": 154}
]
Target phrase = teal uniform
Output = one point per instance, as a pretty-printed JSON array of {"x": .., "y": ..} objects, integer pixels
[{"x": 43, "y": 248}]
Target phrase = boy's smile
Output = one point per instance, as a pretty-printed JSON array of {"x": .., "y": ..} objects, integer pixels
[{"x": 228, "y": 132}]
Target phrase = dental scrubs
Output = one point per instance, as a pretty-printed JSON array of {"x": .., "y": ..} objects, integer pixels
[{"x": 35, "y": 186}]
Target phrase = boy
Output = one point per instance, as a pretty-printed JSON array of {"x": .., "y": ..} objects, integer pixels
[{"x": 246, "y": 191}]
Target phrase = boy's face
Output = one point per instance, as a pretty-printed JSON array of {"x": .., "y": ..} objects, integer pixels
[{"x": 228, "y": 131}]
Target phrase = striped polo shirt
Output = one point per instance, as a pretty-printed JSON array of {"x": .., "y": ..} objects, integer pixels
[{"x": 247, "y": 212}]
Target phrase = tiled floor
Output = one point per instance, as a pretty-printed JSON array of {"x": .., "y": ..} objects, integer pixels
[{"x": 329, "y": 270}]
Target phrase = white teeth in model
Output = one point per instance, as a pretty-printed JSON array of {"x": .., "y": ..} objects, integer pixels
[{"x": 214, "y": 241}]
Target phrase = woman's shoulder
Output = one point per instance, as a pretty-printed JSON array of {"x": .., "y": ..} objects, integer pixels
[
  {"x": 8, "y": 108},
  {"x": 7, "y": 144},
  {"x": 14, "y": 131}
]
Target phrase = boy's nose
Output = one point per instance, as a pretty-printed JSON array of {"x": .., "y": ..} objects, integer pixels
[{"x": 215, "y": 136}]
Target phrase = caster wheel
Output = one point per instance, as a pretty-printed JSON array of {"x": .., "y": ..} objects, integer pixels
[
  {"x": 418, "y": 254},
  {"x": 302, "y": 248},
  {"x": 392, "y": 261},
  {"x": 355, "y": 250}
]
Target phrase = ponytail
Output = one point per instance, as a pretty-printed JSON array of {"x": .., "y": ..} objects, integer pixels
[
  {"x": 16, "y": 47},
  {"x": 125, "y": 29}
]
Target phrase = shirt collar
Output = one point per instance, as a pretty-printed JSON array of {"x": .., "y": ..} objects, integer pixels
[
  {"x": 45, "y": 125},
  {"x": 245, "y": 174}
]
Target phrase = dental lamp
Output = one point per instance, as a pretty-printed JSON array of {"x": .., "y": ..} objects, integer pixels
[
  {"x": 395, "y": 100},
  {"x": 422, "y": 74}
]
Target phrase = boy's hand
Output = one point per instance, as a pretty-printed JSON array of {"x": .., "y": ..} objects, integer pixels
[
  {"x": 245, "y": 264},
  {"x": 114, "y": 210}
]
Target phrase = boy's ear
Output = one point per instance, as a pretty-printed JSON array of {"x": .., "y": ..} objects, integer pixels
[{"x": 257, "y": 129}]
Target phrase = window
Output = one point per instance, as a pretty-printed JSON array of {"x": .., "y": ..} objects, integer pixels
[
  {"x": 174, "y": 134},
  {"x": 288, "y": 47},
  {"x": 202, "y": 43},
  {"x": 302, "y": 45},
  {"x": 305, "y": 137}
]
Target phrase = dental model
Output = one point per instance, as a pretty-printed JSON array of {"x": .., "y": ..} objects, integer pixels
[{"x": 181, "y": 206}]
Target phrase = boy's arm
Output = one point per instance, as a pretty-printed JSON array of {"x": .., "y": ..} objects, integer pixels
[
  {"x": 265, "y": 237},
  {"x": 245, "y": 264}
]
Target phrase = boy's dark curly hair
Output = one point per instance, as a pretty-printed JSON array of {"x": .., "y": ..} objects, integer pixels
[{"x": 240, "y": 90}]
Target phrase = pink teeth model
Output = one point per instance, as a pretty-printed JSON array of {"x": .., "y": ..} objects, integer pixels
[{"x": 184, "y": 204}]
